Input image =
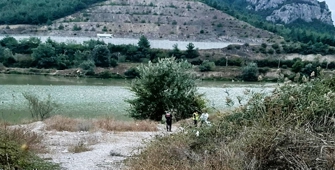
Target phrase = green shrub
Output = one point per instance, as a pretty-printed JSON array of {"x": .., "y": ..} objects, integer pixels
[
  {"x": 40, "y": 109},
  {"x": 87, "y": 65},
  {"x": 196, "y": 62},
  {"x": 132, "y": 73},
  {"x": 221, "y": 62},
  {"x": 76, "y": 28},
  {"x": 207, "y": 66},
  {"x": 105, "y": 75},
  {"x": 101, "y": 56},
  {"x": 264, "y": 70},
  {"x": 250, "y": 72}
]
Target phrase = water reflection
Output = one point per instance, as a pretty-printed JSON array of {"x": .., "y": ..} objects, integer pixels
[{"x": 11, "y": 79}]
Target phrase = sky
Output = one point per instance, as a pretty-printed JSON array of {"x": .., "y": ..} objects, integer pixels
[{"x": 331, "y": 5}]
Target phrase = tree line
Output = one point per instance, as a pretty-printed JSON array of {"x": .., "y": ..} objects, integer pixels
[
  {"x": 32, "y": 52},
  {"x": 39, "y": 11}
]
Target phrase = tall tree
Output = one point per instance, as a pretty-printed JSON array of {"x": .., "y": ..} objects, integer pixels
[
  {"x": 44, "y": 56},
  {"x": 191, "y": 52},
  {"x": 101, "y": 56},
  {"x": 143, "y": 43}
]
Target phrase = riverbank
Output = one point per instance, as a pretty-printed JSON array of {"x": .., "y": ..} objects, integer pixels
[{"x": 220, "y": 73}]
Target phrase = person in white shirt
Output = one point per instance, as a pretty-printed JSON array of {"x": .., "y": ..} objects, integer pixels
[{"x": 204, "y": 119}]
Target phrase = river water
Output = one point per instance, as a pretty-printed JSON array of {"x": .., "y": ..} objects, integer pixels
[{"x": 90, "y": 97}]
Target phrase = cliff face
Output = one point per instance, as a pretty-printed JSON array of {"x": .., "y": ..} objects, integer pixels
[{"x": 288, "y": 11}]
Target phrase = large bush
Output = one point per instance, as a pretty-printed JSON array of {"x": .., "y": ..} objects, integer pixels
[
  {"x": 163, "y": 86},
  {"x": 250, "y": 72},
  {"x": 44, "y": 56},
  {"x": 207, "y": 66},
  {"x": 101, "y": 56}
]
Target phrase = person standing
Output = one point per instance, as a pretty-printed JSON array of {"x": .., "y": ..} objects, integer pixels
[
  {"x": 204, "y": 119},
  {"x": 195, "y": 118},
  {"x": 168, "y": 117}
]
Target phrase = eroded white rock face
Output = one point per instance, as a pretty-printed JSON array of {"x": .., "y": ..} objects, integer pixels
[
  {"x": 265, "y": 4},
  {"x": 288, "y": 11}
]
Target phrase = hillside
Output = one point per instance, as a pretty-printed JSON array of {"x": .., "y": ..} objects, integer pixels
[{"x": 156, "y": 19}]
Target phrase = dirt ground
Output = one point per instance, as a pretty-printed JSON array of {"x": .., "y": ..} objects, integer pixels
[{"x": 108, "y": 149}]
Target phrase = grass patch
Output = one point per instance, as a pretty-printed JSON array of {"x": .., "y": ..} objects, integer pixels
[
  {"x": 80, "y": 147},
  {"x": 111, "y": 124},
  {"x": 17, "y": 150},
  {"x": 62, "y": 123}
]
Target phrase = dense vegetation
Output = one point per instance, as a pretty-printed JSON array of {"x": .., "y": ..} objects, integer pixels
[
  {"x": 32, "y": 53},
  {"x": 293, "y": 128},
  {"x": 309, "y": 34},
  {"x": 39, "y": 11}
]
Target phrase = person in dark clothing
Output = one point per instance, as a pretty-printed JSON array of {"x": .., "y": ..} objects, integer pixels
[{"x": 168, "y": 117}]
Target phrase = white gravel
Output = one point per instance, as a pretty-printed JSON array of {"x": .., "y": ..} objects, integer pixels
[{"x": 109, "y": 149}]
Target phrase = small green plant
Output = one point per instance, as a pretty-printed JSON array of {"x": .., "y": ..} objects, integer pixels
[
  {"x": 76, "y": 28},
  {"x": 61, "y": 27},
  {"x": 79, "y": 147},
  {"x": 250, "y": 72},
  {"x": 104, "y": 29},
  {"x": 207, "y": 66}
]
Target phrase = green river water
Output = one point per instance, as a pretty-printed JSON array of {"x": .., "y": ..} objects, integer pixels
[{"x": 90, "y": 97}]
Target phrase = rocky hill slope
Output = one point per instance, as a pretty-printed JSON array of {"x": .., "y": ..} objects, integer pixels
[
  {"x": 156, "y": 19},
  {"x": 288, "y": 11}
]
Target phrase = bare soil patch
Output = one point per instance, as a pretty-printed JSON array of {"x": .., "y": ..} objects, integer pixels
[{"x": 105, "y": 149}]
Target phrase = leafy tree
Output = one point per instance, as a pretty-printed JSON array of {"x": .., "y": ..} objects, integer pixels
[
  {"x": 8, "y": 57},
  {"x": 88, "y": 66},
  {"x": 165, "y": 85},
  {"x": 175, "y": 52},
  {"x": 143, "y": 52},
  {"x": 113, "y": 62},
  {"x": 250, "y": 72},
  {"x": 90, "y": 44},
  {"x": 44, "y": 56},
  {"x": 297, "y": 66},
  {"x": 9, "y": 42},
  {"x": 63, "y": 62},
  {"x": 191, "y": 52},
  {"x": 27, "y": 45},
  {"x": 207, "y": 66},
  {"x": 143, "y": 43},
  {"x": 101, "y": 56},
  {"x": 80, "y": 56}
]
